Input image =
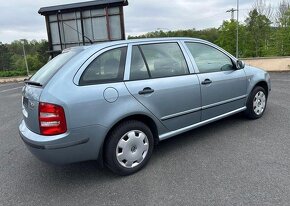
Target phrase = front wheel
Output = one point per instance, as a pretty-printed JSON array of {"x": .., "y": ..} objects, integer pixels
[
  {"x": 129, "y": 147},
  {"x": 257, "y": 103}
]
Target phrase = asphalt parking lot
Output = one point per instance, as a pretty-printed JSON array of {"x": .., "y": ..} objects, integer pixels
[{"x": 231, "y": 162}]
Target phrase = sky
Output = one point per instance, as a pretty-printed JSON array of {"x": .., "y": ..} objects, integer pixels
[{"x": 19, "y": 19}]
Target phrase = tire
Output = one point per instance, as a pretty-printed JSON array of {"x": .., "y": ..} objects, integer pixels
[
  {"x": 256, "y": 104},
  {"x": 128, "y": 147}
]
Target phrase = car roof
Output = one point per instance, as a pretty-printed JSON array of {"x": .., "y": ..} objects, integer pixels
[{"x": 144, "y": 40}]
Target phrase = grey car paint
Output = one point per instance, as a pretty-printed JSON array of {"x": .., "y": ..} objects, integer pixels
[
  {"x": 234, "y": 87},
  {"x": 162, "y": 103},
  {"x": 179, "y": 104}
]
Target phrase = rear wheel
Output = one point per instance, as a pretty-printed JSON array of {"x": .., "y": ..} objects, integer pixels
[
  {"x": 257, "y": 103},
  {"x": 129, "y": 147}
]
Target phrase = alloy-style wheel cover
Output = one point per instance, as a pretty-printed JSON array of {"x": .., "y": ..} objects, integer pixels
[
  {"x": 259, "y": 103},
  {"x": 132, "y": 148}
]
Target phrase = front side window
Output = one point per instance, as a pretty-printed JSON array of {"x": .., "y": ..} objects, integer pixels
[
  {"x": 108, "y": 67},
  {"x": 209, "y": 59},
  {"x": 157, "y": 60}
]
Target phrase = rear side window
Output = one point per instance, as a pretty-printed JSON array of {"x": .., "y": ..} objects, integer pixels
[
  {"x": 43, "y": 75},
  {"x": 108, "y": 67},
  {"x": 209, "y": 59},
  {"x": 157, "y": 60}
]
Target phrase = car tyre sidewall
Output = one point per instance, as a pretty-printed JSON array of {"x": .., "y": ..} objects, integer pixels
[
  {"x": 250, "y": 113},
  {"x": 112, "y": 142}
]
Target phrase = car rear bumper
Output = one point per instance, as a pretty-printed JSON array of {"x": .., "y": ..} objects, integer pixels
[{"x": 78, "y": 145}]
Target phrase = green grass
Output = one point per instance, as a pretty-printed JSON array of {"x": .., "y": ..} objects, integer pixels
[{"x": 12, "y": 73}]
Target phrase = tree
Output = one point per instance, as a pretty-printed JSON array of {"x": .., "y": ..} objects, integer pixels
[
  {"x": 258, "y": 28},
  {"x": 36, "y": 52},
  {"x": 17, "y": 62},
  {"x": 210, "y": 34},
  {"x": 283, "y": 29},
  {"x": 263, "y": 8},
  {"x": 41, "y": 50},
  {"x": 4, "y": 57},
  {"x": 282, "y": 14},
  {"x": 227, "y": 37}
]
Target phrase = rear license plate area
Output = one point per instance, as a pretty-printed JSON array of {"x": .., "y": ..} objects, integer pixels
[{"x": 25, "y": 102}]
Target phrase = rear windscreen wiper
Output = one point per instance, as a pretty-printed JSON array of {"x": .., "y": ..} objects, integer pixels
[{"x": 32, "y": 83}]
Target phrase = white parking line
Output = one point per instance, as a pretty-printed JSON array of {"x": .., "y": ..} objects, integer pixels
[
  {"x": 6, "y": 90},
  {"x": 9, "y": 84}
]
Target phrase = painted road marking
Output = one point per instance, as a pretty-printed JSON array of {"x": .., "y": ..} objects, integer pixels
[
  {"x": 6, "y": 90},
  {"x": 9, "y": 84}
]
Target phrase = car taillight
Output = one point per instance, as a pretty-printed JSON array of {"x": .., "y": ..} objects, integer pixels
[{"x": 51, "y": 119}]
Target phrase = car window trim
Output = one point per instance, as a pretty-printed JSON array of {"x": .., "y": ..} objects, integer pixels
[
  {"x": 130, "y": 80},
  {"x": 145, "y": 61},
  {"x": 128, "y": 67}
]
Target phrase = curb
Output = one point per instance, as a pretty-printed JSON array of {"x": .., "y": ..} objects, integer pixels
[{"x": 4, "y": 80}]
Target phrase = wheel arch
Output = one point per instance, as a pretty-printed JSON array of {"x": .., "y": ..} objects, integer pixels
[
  {"x": 139, "y": 117},
  {"x": 261, "y": 83},
  {"x": 264, "y": 85}
]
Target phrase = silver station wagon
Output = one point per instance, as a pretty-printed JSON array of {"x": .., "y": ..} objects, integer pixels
[{"x": 114, "y": 101}]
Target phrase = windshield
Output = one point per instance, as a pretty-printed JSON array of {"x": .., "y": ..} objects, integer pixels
[{"x": 48, "y": 70}]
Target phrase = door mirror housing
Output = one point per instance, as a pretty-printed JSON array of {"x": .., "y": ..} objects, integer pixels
[{"x": 240, "y": 64}]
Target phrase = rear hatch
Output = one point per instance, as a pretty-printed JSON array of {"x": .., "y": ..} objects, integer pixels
[
  {"x": 34, "y": 86},
  {"x": 30, "y": 100}
]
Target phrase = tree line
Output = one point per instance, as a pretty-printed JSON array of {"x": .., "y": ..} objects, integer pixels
[
  {"x": 12, "y": 61},
  {"x": 265, "y": 32}
]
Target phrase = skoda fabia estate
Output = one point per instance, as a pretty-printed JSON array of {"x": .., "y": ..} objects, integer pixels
[{"x": 114, "y": 101}]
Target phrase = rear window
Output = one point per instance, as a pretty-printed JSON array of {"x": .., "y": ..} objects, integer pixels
[
  {"x": 48, "y": 70},
  {"x": 106, "y": 68}
]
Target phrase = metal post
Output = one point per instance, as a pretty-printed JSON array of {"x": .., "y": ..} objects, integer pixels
[
  {"x": 237, "y": 46},
  {"x": 108, "y": 24},
  {"x": 24, "y": 53}
]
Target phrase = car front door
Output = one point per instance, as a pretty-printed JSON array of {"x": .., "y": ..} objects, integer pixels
[
  {"x": 160, "y": 80},
  {"x": 223, "y": 86}
]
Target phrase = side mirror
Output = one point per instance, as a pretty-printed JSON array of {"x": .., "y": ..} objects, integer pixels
[{"x": 240, "y": 64}]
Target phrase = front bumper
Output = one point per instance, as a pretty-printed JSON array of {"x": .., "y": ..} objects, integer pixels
[{"x": 78, "y": 145}]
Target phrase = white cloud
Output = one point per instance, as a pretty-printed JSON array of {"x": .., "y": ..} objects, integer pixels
[{"x": 20, "y": 19}]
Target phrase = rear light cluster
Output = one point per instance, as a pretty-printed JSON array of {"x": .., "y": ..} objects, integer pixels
[{"x": 51, "y": 119}]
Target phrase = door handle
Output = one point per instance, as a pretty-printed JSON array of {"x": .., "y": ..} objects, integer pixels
[
  {"x": 146, "y": 90},
  {"x": 206, "y": 81}
]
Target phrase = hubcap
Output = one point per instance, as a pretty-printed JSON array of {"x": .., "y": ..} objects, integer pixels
[
  {"x": 259, "y": 103},
  {"x": 132, "y": 148}
]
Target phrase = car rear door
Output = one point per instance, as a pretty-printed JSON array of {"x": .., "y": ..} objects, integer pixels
[
  {"x": 161, "y": 79},
  {"x": 223, "y": 86}
]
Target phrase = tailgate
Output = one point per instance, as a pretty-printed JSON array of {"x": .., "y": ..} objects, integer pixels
[{"x": 30, "y": 100}]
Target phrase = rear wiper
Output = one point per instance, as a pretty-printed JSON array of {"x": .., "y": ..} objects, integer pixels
[{"x": 32, "y": 83}]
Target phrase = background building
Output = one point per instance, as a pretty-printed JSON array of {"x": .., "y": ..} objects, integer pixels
[{"x": 84, "y": 23}]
